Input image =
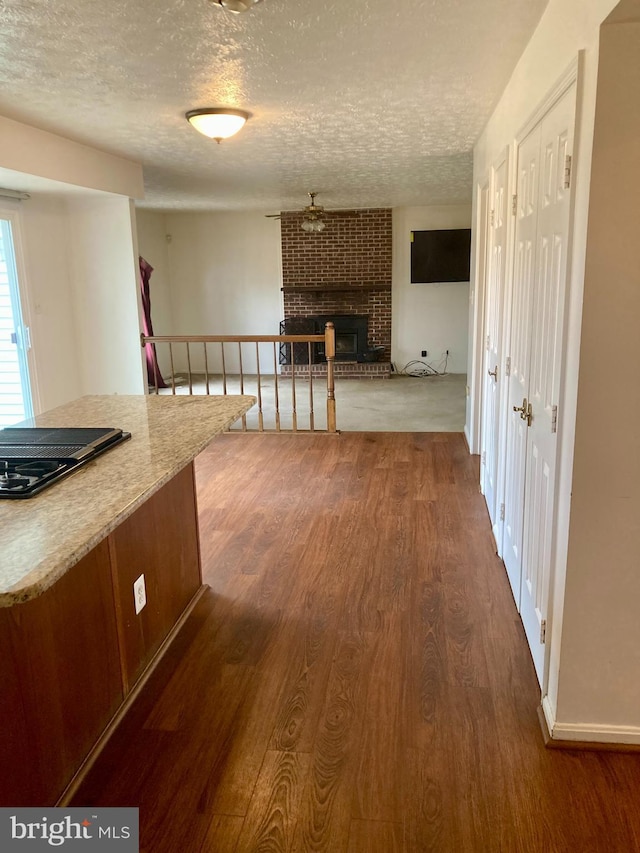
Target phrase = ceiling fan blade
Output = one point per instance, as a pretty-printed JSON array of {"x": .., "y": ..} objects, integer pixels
[{"x": 273, "y": 215}]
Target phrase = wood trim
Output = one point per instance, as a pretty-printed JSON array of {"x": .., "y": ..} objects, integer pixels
[
  {"x": 327, "y": 288},
  {"x": 304, "y": 432},
  {"x": 231, "y": 339},
  {"x": 71, "y": 789}
]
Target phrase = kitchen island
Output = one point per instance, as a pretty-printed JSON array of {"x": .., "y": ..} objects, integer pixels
[{"x": 72, "y": 646}]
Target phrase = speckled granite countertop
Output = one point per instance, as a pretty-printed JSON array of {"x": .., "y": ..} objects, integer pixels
[{"x": 44, "y": 536}]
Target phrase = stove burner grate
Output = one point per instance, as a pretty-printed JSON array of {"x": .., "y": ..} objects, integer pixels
[{"x": 48, "y": 451}]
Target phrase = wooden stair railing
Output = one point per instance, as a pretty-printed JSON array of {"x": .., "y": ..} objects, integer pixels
[{"x": 298, "y": 371}]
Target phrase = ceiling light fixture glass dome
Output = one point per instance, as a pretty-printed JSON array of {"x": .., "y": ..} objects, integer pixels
[
  {"x": 217, "y": 122},
  {"x": 312, "y": 226},
  {"x": 235, "y": 6}
]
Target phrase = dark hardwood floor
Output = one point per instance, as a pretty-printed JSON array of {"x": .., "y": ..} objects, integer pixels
[{"x": 357, "y": 678}]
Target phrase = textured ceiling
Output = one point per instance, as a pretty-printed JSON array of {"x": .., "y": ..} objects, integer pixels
[{"x": 372, "y": 103}]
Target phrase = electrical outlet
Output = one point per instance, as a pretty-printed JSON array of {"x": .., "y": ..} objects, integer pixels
[
  {"x": 424, "y": 353},
  {"x": 139, "y": 593}
]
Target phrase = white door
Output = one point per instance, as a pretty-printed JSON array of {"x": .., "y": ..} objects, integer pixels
[
  {"x": 494, "y": 302},
  {"x": 15, "y": 390},
  {"x": 545, "y": 369},
  {"x": 542, "y": 231},
  {"x": 484, "y": 248},
  {"x": 519, "y": 354}
]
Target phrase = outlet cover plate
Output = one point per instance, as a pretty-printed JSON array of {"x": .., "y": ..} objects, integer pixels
[{"x": 139, "y": 593}]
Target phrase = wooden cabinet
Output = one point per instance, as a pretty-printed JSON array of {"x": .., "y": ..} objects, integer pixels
[
  {"x": 60, "y": 677},
  {"x": 160, "y": 540},
  {"x": 69, "y": 657}
]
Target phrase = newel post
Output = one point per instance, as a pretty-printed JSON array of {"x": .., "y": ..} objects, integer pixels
[{"x": 330, "y": 354}]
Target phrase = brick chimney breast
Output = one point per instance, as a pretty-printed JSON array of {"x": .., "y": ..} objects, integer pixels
[{"x": 345, "y": 269}]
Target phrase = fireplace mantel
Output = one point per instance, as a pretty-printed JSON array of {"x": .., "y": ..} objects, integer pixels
[{"x": 332, "y": 288}]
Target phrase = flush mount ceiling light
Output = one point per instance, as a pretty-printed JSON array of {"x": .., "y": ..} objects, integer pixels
[
  {"x": 217, "y": 122},
  {"x": 235, "y": 6}
]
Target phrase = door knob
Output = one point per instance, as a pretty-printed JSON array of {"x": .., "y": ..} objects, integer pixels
[
  {"x": 526, "y": 412},
  {"x": 494, "y": 373}
]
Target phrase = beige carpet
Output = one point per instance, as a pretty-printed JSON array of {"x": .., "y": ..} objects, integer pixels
[{"x": 399, "y": 404}]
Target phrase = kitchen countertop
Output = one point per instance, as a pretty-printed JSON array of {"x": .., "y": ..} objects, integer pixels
[{"x": 44, "y": 536}]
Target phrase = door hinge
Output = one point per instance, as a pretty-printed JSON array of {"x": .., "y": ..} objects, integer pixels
[
  {"x": 492, "y": 218},
  {"x": 483, "y": 457},
  {"x": 501, "y": 512},
  {"x": 507, "y": 366},
  {"x": 567, "y": 172},
  {"x": 543, "y": 631},
  {"x": 514, "y": 205},
  {"x": 554, "y": 419},
  {"x": 487, "y": 343}
]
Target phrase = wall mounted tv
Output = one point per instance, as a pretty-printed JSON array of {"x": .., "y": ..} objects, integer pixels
[{"x": 438, "y": 256}]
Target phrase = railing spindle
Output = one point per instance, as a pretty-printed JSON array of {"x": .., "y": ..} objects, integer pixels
[
  {"x": 275, "y": 387},
  {"x": 288, "y": 342},
  {"x": 244, "y": 417},
  {"x": 260, "y": 417},
  {"x": 294, "y": 414},
  {"x": 189, "y": 369},
  {"x": 224, "y": 371},
  {"x": 311, "y": 418}
]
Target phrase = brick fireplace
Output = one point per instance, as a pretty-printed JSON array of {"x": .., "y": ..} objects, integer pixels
[{"x": 343, "y": 270}]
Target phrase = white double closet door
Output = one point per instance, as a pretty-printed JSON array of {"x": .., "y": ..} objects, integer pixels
[
  {"x": 494, "y": 274},
  {"x": 535, "y": 361}
]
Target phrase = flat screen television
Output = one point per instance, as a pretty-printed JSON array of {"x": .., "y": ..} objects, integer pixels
[{"x": 438, "y": 256}]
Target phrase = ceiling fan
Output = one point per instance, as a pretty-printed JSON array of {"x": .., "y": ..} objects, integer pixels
[{"x": 313, "y": 215}]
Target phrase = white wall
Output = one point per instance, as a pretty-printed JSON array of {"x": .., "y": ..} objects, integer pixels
[
  {"x": 33, "y": 152},
  {"x": 221, "y": 273},
  {"x": 104, "y": 274},
  {"x": 152, "y": 245},
  {"x": 427, "y": 316},
  {"x": 225, "y": 274},
  {"x": 567, "y": 27},
  {"x": 44, "y": 227},
  {"x": 600, "y": 653},
  {"x": 78, "y": 248}
]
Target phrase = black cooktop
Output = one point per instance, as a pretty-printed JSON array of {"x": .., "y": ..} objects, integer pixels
[{"x": 32, "y": 458}]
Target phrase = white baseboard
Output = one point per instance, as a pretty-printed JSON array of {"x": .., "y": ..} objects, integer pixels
[
  {"x": 497, "y": 537},
  {"x": 589, "y": 732},
  {"x": 466, "y": 435}
]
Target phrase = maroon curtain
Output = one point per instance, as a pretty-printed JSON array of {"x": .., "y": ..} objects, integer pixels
[{"x": 153, "y": 371}]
